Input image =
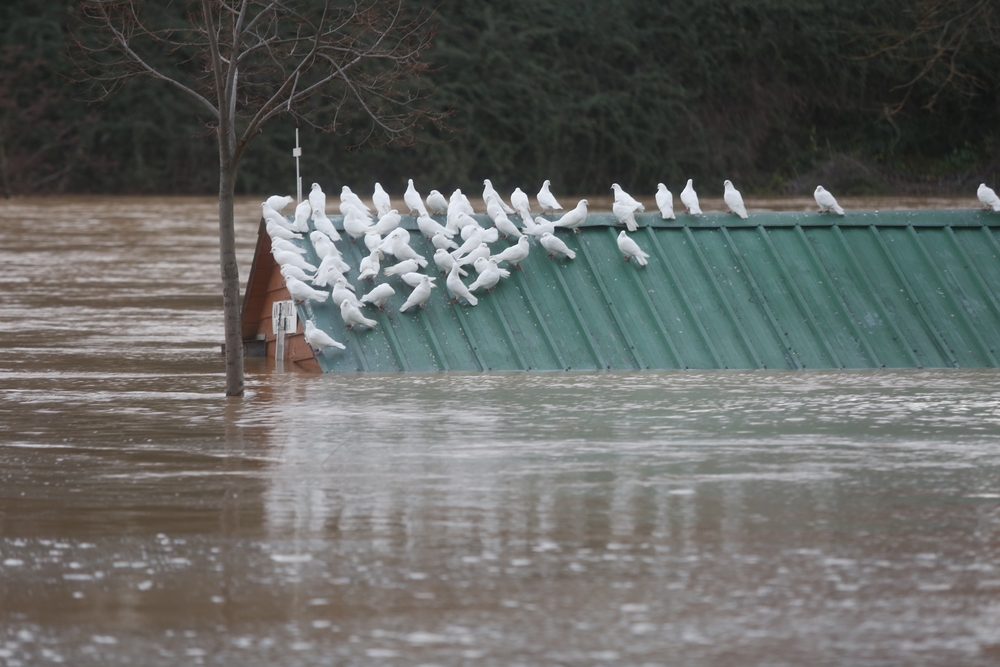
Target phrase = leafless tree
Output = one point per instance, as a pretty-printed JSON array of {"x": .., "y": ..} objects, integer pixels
[{"x": 245, "y": 62}]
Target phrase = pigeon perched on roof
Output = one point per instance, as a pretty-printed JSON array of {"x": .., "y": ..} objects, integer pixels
[
  {"x": 489, "y": 275},
  {"x": 445, "y": 261},
  {"x": 413, "y": 278},
  {"x": 369, "y": 266},
  {"x": 442, "y": 242},
  {"x": 545, "y": 199},
  {"x": 300, "y": 291},
  {"x": 355, "y": 225},
  {"x": 437, "y": 203},
  {"x": 395, "y": 244},
  {"x": 381, "y": 200},
  {"x": 388, "y": 221},
  {"x": 297, "y": 273},
  {"x": 405, "y": 266},
  {"x": 665, "y": 202},
  {"x": 505, "y": 226},
  {"x": 353, "y": 316},
  {"x": 276, "y": 231},
  {"x": 373, "y": 240},
  {"x": 323, "y": 245},
  {"x": 293, "y": 258},
  {"x": 631, "y": 249},
  {"x": 302, "y": 213},
  {"x": 690, "y": 198},
  {"x": 540, "y": 226},
  {"x": 330, "y": 270},
  {"x": 413, "y": 200},
  {"x": 574, "y": 218},
  {"x": 429, "y": 227},
  {"x": 555, "y": 246},
  {"x": 826, "y": 201},
  {"x": 342, "y": 290},
  {"x": 488, "y": 192},
  {"x": 514, "y": 254},
  {"x": 322, "y": 224},
  {"x": 624, "y": 214},
  {"x": 277, "y": 202},
  {"x": 348, "y": 198},
  {"x": 317, "y": 200},
  {"x": 457, "y": 288},
  {"x": 272, "y": 216},
  {"x": 282, "y": 244},
  {"x": 419, "y": 294},
  {"x": 627, "y": 199},
  {"x": 522, "y": 206},
  {"x": 988, "y": 197},
  {"x": 319, "y": 339},
  {"x": 482, "y": 250},
  {"x": 734, "y": 200},
  {"x": 379, "y": 295}
]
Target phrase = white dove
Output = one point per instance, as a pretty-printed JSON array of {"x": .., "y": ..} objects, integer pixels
[
  {"x": 369, "y": 266},
  {"x": 342, "y": 291},
  {"x": 546, "y": 200},
  {"x": 396, "y": 246},
  {"x": 505, "y": 226},
  {"x": 540, "y": 226},
  {"x": 574, "y": 218},
  {"x": 319, "y": 339},
  {"x": 323, "y": 224},
  {"x": 348, "y": 198},
  {"x": 277, "y": 202},
  {"x": 282, "y": 244},
  {"x": 734, "y": 200},
  {"x": 488, "y": 263},
  {"x": 388, "y": 221},
  {"x": 429, "y": 227},
  {"x": 690, "y": 198},
  {"x": 295, "y": 259},
  {"x": 466, "y": 224},
  {"x": 317, "y": 200},
  {"x": 413, "y": 278},
  {"x": 521, "y": 204},
  {"x": 626, "y": 198},
  {"x": 419, "y": 294},
  {"x": 478, "y": 235},
  {"x": 379, "y": 295},
  {"x": 437, "y": 203},
  {"x": 322, "y": 244},
  {"x": 488, "y": 192},
  {"x": 988, "y": 197},
  {"x": 353, "y": 316},
  {"x": 458, "y": 289},
  {"x": 402, "y": 267},
  {"x": 665, "y": 202},
  {"x": 555, "y": 246},
  {"x": 373, "y": 240},
  {"x": 514, "y": 254},
  {"x": 272, "y": 216},
  {"x": 330, "y": 269},
  {"x": 302, "y": 213},
  {"x": 445, "y": 261},
  {"x": 826, "y": 201},
  {"x": 624, "y": 214},
  {"x": 442, "y": 242},
  {"x": 482, "y": 251},
  {"x": 356, "y": 226},
  {"x": 381, "y": 200},
  {"x": 300, "y": 291},
  {"x": 631, "y": 249},
  {"x": 276, "y": 231},
  {"x": 488, "y": 277},
  {"x": 413, "y": 200},
  {"x": 297, "y": 273}
]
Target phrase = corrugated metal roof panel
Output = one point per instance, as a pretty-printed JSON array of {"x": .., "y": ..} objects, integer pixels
[{"x": 780, "y": 290}]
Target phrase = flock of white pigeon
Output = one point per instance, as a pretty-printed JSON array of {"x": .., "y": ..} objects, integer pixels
[{"x": 383, "y": 236}]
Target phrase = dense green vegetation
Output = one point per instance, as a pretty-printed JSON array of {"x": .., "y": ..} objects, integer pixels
[{"x": 769, "y": 93}]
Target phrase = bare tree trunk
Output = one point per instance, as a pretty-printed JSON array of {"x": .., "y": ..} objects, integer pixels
[{"x": 227, "y": 261}]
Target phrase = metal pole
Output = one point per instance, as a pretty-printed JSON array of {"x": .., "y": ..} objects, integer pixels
[{"x": 297, "y": 153}]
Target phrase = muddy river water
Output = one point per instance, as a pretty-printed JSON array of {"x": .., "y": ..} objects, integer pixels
[{"x": 646, "y": 518}]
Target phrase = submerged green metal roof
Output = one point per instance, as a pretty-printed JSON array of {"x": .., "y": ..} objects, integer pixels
[{"x": 896, "y": 289}]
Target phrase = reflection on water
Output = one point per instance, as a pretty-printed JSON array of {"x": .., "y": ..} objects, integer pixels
[{"x": 724, "y": 518}]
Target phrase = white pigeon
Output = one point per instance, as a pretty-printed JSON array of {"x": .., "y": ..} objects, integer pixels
[
  {"x": 466, "y": 224},
  {"x": 282, "y": 244},
  {"x": 521, "y": 204},
  {"x": 287, "y": 257},
  {"x": 665, "y": 202},
  {"x": 413, "y": 278},
  {"x": 624, "y": 214},
  {"x": 342, "y": 291},
  {"x": 277, "y": 202},
  {"x": 734, "y": 200},
  {"x": 482, "y": 251},
  {"x": 323, "y": 224},
  {"x": 369, "y": 266},
  {"x": 445, "y": 261},
  {"x": 631, "y": 249},
  {"x": 335, "y": 260},
  {"x": 514, "y": 254},
  {"x": 487, "y": 264},
  {"x": 478, "y": 235},
  {"x": 353, "y": 316},
  {"x": 349, "y": 198},
  {"x": 488, "y": 192},
  {"x": 988, "y": 197},
  {"x": 505, "y": 226},
  {"x": 300, "y": 291},
  {"x": 388, "y": 221},
  {"x": 429, "y": 227},
  {"x": 319, "y": 339},
  {"x": 488, "y": 277},
  {"x": 546, "y": 200},
  {"x": 379, "y": 295},
  {"x": 381, "y": 200},
  {"x": 297, "y": 273},
  {"x": 541, "y": 226},
  {"x": 276, "y": 231},
  {"x": 626, "y": 198},
  {"x": 323, "y": 245},
  {"x": 395, "y": 244},
  {"x": 555, "y": 246},
  {"x": 356, "y": 226},
  {"x": 413, "y": 200},
  {"x": 690, "y": 198},
  {"x": 419, "y": 294},
  {"x": 457, "y": 288},
  {"x": 302, "y": 213},
  {"x": 574, "y": 218},
  {"x": 372, "y": 241},
  {"x": 437, "y": 203},
  {"x": 317, "y": 200},
  {"x": 826, "y": 201},
  {"x": 272, "y": 216},
  {"x": 405, "y": 266},
  {"x": 442, "y": 242},
  {"x": 329, "y": 271}
]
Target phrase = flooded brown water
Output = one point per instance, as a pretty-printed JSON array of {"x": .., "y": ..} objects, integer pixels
[{"x": 676, "y": 518}]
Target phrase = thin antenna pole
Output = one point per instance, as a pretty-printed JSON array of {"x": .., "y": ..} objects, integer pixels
[{"x": 297, "y": 153}]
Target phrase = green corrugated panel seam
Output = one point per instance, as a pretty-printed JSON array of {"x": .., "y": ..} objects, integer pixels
[{"x": 895, "y": 289}]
